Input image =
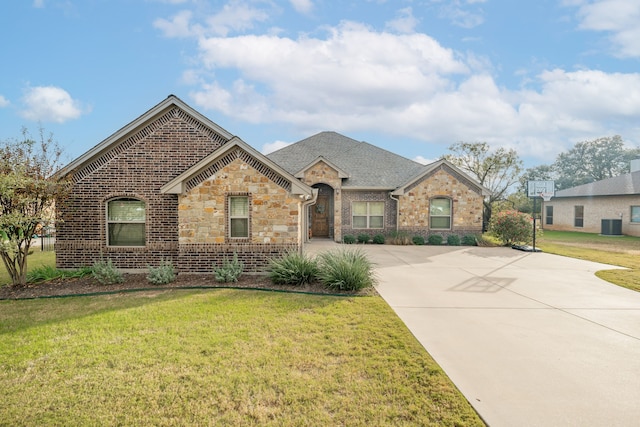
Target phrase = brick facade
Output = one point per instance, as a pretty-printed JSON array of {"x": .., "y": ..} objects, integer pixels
[
  {"x": 595, "y": 210},
  {"x": 348, "y": 197},
  {"x": 189, "y": 229}
]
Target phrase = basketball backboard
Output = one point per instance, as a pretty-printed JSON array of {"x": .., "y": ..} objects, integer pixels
[{"x": 534, "y": 188}]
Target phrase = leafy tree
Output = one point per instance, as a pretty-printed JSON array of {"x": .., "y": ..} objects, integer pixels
[
  {"x": 497, "y": 170},
  {"x": 594, "y": 160},
  {"x": 28, "y": 190}
]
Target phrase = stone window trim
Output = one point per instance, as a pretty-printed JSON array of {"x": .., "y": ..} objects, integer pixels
[
  {"x": 369, "y": 215},
  {"x": 227, "y": 214},
  {"x": 105, "y": 226},
  {"x": 432, "y": 215}
]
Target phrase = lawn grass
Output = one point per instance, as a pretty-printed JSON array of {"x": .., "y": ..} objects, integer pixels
[
  {"x": 620, "y": 251},
  {"x": 36, "y": 259},
  {"x": 218, "y": 357}
]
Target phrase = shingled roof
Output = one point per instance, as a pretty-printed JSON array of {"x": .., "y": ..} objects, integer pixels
[
  {"x": 623, "y": 185},
  {"x": 367, "y": 166}
]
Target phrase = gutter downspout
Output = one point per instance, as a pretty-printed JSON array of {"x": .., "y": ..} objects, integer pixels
[
  {"x": 397, "y": 210},
  {"x": 305, "y": 216}
]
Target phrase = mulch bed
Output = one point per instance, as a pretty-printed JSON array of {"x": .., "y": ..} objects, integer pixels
[{"x": 132, "y": 282}]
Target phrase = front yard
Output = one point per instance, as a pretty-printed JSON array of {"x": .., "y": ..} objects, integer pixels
[{"x": 223, "y": 357}]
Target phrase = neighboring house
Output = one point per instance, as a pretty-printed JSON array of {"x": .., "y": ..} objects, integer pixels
[
  {"x": 610, "y": 206},
  {"x": 363, "y": 189},
  {"x": 173, "y": 185}
]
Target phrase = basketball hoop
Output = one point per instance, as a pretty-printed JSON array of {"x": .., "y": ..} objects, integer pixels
[{"x": 545, "y": 196}]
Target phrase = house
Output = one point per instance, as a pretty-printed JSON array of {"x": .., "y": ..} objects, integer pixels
[
  {"x": 363, "y": 189},
  {"x": 173, "y": 185},
  {"x": 610, "y": 206}
]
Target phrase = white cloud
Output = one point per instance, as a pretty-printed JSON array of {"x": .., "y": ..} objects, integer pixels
[
  {"x": 423, "y": 160},
  {"x": 50, "y": 104},
  {"x": 4, "y": 102},
  {"x": 235, "y": 16},
  {"x": 620, "y": 18},
  {"x": 461, "y": 13},
  {"x": 302, "y": 6},
  {"x": 38, "y": 4},
  {"x": 404, "y": 23},
  {"x": 355, "y": 79},
  {"x": 274, "y": 146}
]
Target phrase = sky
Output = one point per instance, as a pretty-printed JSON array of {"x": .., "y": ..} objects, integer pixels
[{"x": 410, "y": 76}]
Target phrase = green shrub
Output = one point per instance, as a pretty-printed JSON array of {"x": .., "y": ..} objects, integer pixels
[
  {"x": 435, "y": 239},
  {"x": 293, "y": 269},
  {"x": 349, "y": 239},
  {"x": 363, "y": 238},
  {"x": 469, "y": 240},
  {"x": 47, "y": 273},
  {"x": 163, "y": 274},
  {"x": 345, "y": 270},
  {"x": 453, "y": 240},
  {"x": 399, "y": 238},
  {"x": 230, "y": 270},
  {"x": 378, "y": 239},
  {"x": 511, "y": 227},
  {"x": 105, "y": 272},
  {"x": 418, "y": 240}
]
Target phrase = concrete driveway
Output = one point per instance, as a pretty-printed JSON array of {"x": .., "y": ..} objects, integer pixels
[{"x": 531, "y": 339}]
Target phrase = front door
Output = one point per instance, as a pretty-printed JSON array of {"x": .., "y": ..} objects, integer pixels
[{"x": 320, "y": 217}]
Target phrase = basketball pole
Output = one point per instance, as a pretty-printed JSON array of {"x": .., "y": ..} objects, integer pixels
[{"x": 534, "y": 223}]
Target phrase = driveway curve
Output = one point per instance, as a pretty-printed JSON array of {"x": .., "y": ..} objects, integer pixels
[{"x": 530, "y": 339}]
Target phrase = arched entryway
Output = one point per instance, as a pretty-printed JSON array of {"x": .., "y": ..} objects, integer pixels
[{"x": 321, "y": 214}]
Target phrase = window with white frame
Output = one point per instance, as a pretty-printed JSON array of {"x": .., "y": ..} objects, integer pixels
[
  {"x": 367, "y": 214},
  {"x": 440, "y": 214},
  {"x": 126, "y": 219},
  {"x": 239, "y": 217},
  {"x": 635, "y": 213}
]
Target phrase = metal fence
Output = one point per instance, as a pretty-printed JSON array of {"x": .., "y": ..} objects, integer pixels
[{"x": 46, "y": 240}]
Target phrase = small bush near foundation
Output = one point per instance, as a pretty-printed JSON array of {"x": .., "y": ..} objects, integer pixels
[
  {"x": 363, "y": 238},
  {"x": 293, "y": 269},
  {"x": 453, "y": 240},
  {"x": 435, "y": 239},
  {"x": 163, "y": 274},
  {"x": 469, "y": 240},
  {"x": 399, "y": 238},
  {"x": 345, "y": 270},
  {"x": 378, "y": 239},
  {"x": 105, "y": 272},
  {"x": 418, "y": 240},
  {"x": 230, "y": 270},
  {"x": 349, "y": 239}
]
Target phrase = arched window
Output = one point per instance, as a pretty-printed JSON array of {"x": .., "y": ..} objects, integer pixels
[
  {"x": 126, "y": 222},
  {"x": 440, "y": 214}
]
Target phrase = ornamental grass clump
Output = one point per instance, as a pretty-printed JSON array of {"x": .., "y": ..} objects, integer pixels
[
  {"x": 164, "y": 274},
  {"x": 511, "y": 227},
  {"x": 345, "y": 270},
  {"x": 293, "y": 269}
]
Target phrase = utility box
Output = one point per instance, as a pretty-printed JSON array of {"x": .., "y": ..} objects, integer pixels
[{"x": 611, "y": 227}]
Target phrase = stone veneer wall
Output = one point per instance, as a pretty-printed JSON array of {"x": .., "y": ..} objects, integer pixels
[
  {"x": 368, "y": 196},
  {"x": 136, "y": 167},
  {"x": 444, "y": 182},
  {"x": 322, "y": 173},
  {"x": 274, "y": 220}
]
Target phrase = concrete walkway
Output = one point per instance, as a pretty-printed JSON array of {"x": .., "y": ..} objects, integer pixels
[{"x": 530, "y": 339}]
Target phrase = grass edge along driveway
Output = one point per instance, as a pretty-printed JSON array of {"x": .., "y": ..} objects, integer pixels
[{"x": 223, "y": 357}]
